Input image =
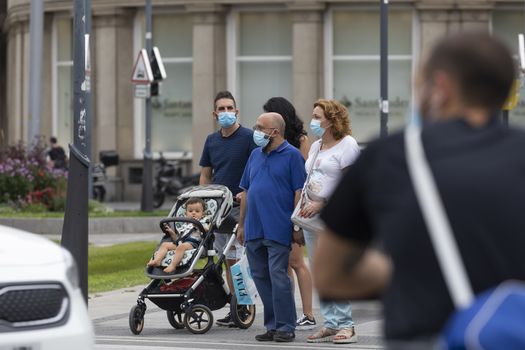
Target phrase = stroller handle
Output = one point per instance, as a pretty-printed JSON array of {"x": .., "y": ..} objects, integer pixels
[{"x": 181, "y": 219}]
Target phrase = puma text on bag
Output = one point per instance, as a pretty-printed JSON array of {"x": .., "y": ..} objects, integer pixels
[{"x": 243, "y": 283}]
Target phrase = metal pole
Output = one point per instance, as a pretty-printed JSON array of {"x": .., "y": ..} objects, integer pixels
[
  {"x": 88, "y": 103},
  {"x": 75, "y": 229},
  {"x": 384, "y": 69},
  {"x": 147, "y": 172},
  {"x": 36, "y": 30}
]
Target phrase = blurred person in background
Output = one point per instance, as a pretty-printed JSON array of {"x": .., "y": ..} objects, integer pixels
[{"x": 57, "y": 155}]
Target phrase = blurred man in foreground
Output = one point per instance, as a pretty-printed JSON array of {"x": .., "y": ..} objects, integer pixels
[{"x": 480, "y": 174}]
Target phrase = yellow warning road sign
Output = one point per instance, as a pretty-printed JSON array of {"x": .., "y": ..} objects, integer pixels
[{"x": 514, "y": 96}]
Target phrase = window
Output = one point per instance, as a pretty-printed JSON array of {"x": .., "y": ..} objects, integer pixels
[
  {"x": 172, "y": 110},
  {"x": 62, "y": 79},
  {"x": 353, "y": 43},
  {"x": 506, "y": 25},
  {"x": 259, "y": 60}
]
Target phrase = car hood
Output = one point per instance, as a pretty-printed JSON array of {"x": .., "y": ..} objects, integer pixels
[{"x": 21, "y": 248}]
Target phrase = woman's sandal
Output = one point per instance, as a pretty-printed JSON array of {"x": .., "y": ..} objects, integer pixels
[
  {"x": 323, "y": 335},
  {"x": 345, "y": 336}
]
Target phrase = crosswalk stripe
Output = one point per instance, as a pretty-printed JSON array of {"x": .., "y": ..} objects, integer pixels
[{"x": 104, "y": 340}]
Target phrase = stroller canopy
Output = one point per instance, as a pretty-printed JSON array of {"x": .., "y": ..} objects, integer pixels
[{"x": 218, "y": 198}]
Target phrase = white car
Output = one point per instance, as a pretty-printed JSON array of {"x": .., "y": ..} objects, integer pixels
[{"x": 41, "y": 304}]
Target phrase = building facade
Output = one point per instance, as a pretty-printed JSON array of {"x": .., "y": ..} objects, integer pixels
[{"x": 302, "y": 50}]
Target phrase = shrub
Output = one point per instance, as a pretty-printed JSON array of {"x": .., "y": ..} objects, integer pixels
[
  {"x": 25, "y": 179},
  {"x": 34, "y": 208}
]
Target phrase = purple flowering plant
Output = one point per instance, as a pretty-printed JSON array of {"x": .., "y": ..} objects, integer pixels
[{"x": 26, "y": 179}]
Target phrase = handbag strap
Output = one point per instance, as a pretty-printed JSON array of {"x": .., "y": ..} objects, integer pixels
[
  {"x": 311, "y": 168},
  {"x": 438, "y": 225}
]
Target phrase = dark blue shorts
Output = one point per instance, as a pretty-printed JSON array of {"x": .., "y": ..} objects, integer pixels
[{"x": 194, "y": 243}]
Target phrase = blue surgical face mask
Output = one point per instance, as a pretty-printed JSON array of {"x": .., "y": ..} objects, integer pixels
[
  {"x": 315, "y": 126},
  {"x": 260, "y": 138},
  {"x": 227, "y": 119}
]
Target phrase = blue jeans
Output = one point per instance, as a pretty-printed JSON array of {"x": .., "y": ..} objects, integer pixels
[
  {"x": 269, "y": 266},
  {"x": 336, "y": 315}
]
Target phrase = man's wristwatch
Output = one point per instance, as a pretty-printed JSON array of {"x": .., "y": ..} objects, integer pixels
[{"x": 296, "y": 228}]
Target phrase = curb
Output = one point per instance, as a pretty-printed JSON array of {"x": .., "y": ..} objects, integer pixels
[{"x": 51, "y": 226}]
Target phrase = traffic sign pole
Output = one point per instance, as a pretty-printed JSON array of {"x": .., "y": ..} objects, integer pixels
[
  {"x": 147, "y": 172},
  {"x": 75, "y": 228}
]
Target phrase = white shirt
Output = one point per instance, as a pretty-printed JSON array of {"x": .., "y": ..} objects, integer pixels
[{"x": 329, "y": 164}]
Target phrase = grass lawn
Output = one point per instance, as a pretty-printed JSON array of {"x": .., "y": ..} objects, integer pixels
[{"x": 118, "y": 266}]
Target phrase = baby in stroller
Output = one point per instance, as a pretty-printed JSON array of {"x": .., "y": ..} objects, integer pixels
[
  {"x": 195, "y": 287},
  {"x": 189, "y": 237}
]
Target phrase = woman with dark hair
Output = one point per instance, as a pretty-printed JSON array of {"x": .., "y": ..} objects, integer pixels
[
  {"x": 294, "y": 132},
  {"x": 296, "y": 135}
]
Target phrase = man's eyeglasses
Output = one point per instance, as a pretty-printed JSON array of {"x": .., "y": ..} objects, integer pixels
[{"x": 225, "y": 108}]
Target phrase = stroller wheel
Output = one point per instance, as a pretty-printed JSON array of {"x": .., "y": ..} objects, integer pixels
[
  {"x": 136, "y": 319},
  {"x": 242, "y": 315},
  {"x": 175, "y": 319},
  {"x": 198, "y": 319}
]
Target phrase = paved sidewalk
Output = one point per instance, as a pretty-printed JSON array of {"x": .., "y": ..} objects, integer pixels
[{"x": 110, "y": 311}]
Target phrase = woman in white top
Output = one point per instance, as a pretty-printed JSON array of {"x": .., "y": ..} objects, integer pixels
[{"x": 328, "y": 157}]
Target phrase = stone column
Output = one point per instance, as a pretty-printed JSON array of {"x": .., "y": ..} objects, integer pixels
[
  {"x": 475, "y": 14},
  {"x": 25, "y": 82},
  {"x": 433, "y": 25},
  {"x": 443, "y": 17},
  {"x": 478, "y": 19},
  {"x": 3, "y": 63},
  {"x": 111, "y": 64},
  {"x": 209, "y": 70},
  {"x": 307, "y": 56},
  {"x": 46, "y": 114},
  {"x": 125, "y": 58},
  {"x": 17, "y": 70}
]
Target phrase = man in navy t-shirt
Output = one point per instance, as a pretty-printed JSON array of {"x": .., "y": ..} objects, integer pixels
[{"x": 223, "y": 160}]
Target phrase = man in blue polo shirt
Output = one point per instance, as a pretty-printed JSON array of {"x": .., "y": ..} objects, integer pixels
[
  {"x": 223, "y": 160},
  {"x": 272, "y": 183}
]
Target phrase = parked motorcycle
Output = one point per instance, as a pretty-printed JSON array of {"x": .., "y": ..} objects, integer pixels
[
  {"x": 169, "y": 181},
  {"x": 98, "y": 173}
]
